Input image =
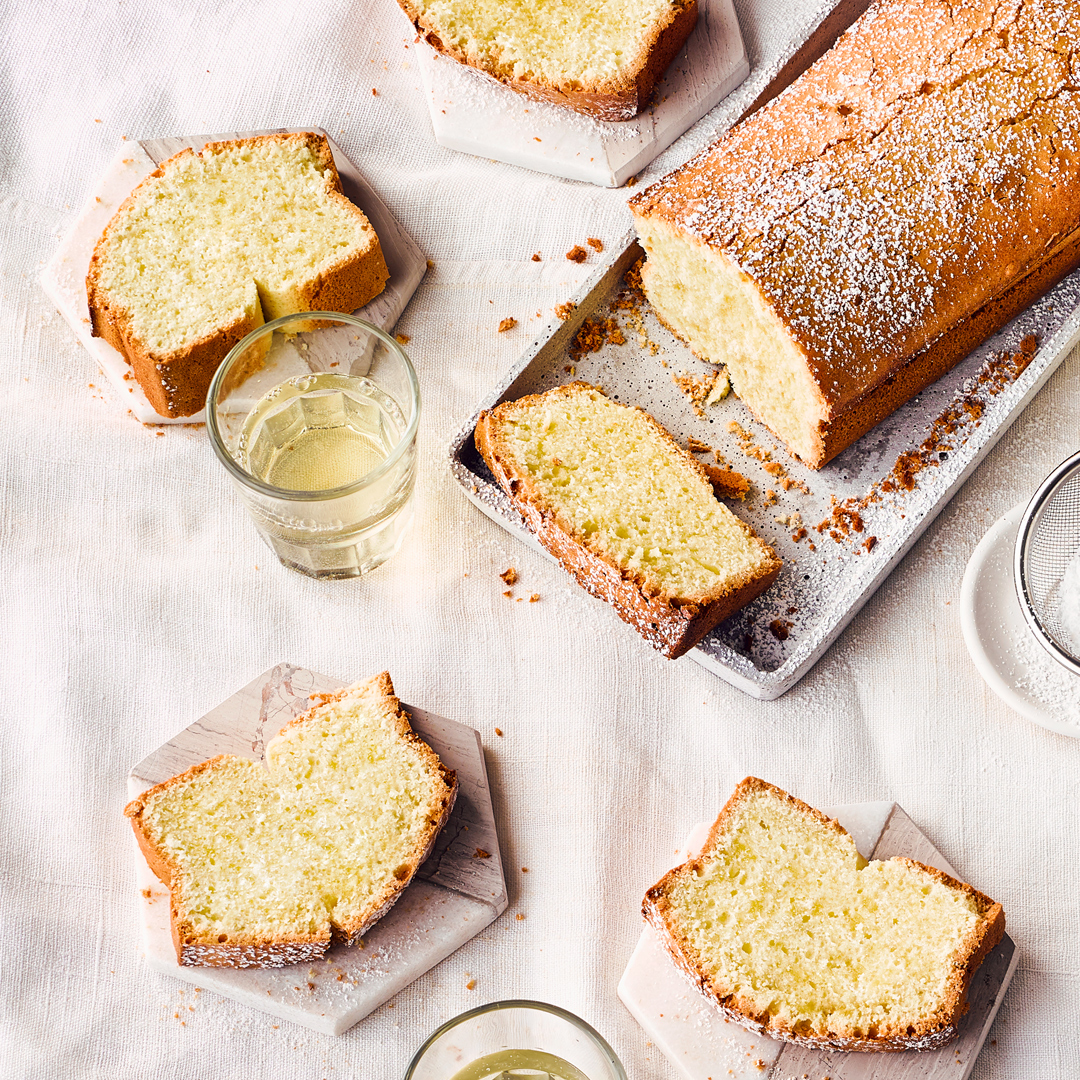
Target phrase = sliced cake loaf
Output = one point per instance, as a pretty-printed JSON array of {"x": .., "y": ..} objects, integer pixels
[
  {"x": 266, "y": 865},
  {"x": 211, "y": 245},
  {"x": 627, "y": 511},
  {"x": 859, "y": 235},
  {"x": 791, "y": 933},
  {"x": 600, "y": 57}
]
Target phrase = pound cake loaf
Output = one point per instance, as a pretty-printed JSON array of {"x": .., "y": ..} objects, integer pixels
[
  {"x": 211, "y": 245},
  {"x": 786, "y": 929},
  {"x": 599, "y": 57},
  {"x": 901, "y": 201},
  {"x": 266, "y": 866},
  {"x": 629, "y": 513}
]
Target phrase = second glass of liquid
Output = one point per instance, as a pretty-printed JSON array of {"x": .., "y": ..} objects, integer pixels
[{"x": 317, "y": 427}]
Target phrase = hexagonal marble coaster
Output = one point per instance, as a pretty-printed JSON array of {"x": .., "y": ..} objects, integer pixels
[
  {"x": 474, "y": 113},
  {"x": 453, "y": 896},
  {"x": 702, "y": 1045}
]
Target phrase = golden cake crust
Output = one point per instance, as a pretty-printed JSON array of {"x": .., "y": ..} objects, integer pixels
[
  {"x": 903, "y": 199},
  {"x": 671, "y": 624},
  {"x": 176, "y": 382},
  {"x": 931, "y": 1032},
  {"x": 620, "y": 98}
]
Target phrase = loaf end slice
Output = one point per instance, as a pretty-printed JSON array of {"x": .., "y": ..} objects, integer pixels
[
  {"x": 625, "y": 510},
  {"x": 267, "y": 866},
  {"x": 782, "y": 925}
]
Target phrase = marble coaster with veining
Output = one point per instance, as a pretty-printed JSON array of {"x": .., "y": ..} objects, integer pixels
[
  {"x": 454, "y": 895},
  {"x": 702, "y": 1045}
]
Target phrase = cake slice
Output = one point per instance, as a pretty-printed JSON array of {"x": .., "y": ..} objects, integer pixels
[
  {"x": 599, "y": 57},
  {"x": 266, "y": 866},
  {"x": 212, "y": 245},
  {"x": 863, "y": 232},
  {"x": 786, "y": 929},
  {"x": 629, "y": 513}
]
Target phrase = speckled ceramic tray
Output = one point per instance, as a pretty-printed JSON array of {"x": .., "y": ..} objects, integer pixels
[{"x": 769, "y": 645}]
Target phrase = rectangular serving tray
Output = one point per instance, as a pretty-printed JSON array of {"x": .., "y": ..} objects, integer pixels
[{"x": 769, "y": 645}]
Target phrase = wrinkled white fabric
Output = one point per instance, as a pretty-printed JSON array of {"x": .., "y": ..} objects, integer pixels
[{"x": 137, "y": 596}]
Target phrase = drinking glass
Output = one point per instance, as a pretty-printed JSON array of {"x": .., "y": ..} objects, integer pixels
[
  {"x": 515, "y": 1039},
  {"x": 314, "y": 417}
]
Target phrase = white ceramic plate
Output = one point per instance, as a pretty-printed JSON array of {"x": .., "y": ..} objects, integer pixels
[{"x": 1015, "y": 666}]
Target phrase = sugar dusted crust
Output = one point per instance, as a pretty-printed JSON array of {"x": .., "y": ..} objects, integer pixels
[
  {"x": 195, "y": 948},
  {"x": 928, "y": 1033},
  {"x": 671, "y": 624},
  {"x": 176, "y": 381},
  {"x": 615, "y": 99},
  {"x": 901, "y": 201}
]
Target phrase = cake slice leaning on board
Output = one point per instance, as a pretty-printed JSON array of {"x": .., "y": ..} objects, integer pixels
[
  {"x": 266, "y": 866},
  {"x": 788, "y": 931},
  {"x": 901, "y": 201},
  {"x": 628, "y": 512}
]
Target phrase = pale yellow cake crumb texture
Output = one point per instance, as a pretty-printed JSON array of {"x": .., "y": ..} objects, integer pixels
[
  {"x": 314, "y": 843},
  {"x": 577, "y": 44},
  {"x": 783, "y": 921},
  {"x": 626, "y": 489},
  {"x": 224, "y": 233},
  {"x": 707, "y": 300}
]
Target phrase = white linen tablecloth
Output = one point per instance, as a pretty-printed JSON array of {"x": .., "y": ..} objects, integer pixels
[{"x": 137, "y": 595}]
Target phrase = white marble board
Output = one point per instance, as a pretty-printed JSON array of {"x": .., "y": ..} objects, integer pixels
[
  {"x": 453, "y": 896},
  {"x": 64, "y": 276},
  {"x": 702, "y": 1045},
  {"x": 473, "y": 113}
]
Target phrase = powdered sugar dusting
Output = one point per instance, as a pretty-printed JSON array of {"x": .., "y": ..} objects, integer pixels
[{"x": 907, "y": 179}]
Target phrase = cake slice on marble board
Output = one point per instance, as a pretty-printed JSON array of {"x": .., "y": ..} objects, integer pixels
[{"x": 788, "y": 931}]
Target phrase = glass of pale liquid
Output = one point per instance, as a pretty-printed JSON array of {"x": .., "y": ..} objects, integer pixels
[
  {"x": 314, "y": 416},
  {"x": 515, "y": 1040}
]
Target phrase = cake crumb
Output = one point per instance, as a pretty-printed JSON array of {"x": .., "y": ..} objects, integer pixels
[
  {"x": 534, "y": 597},
  {"x": 524, "y": 869},
  {"x": 697, "y": 446},
  {"x": 519, "y": 916},
  {"x": 509, "y": 575},
  {"x": 507, "y": 324},
  {"x": 430, "y": 265},
  {"x": 402, "y": 339},
  {"x": 727, "y": 483},
  {"x": 595, "y": 244},
  {"x": 508, "y": 594},
  {"x": 781, "y": 628},
  {"x": 565, "y": 310},
  {"x": 470, "y": 985},
  {"x": 498, "y": 731},
  {"x": 702, "y": 390},
  {"x": 536, "y": 257},
  {"x": 594, "y": 334},
  {"x": 577, "y": 254},
  {"x": 480, "y": 853}
]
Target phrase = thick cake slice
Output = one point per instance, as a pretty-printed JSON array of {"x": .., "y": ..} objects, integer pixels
[
  {"x": 901, "y": 201},
  {"x": 791, "y": 933},
  {"x": 600, "y": 57},
  {"x": 212, "y": 245},
  {"x": 627, "y": 511},
  {"x": 267, "y": 865}
]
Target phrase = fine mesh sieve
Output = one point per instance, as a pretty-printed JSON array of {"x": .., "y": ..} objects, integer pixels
[{"x": 1047, "y": 541}]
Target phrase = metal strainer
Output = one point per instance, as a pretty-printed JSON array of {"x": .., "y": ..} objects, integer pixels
[{"x": 1047, "y": 541}]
